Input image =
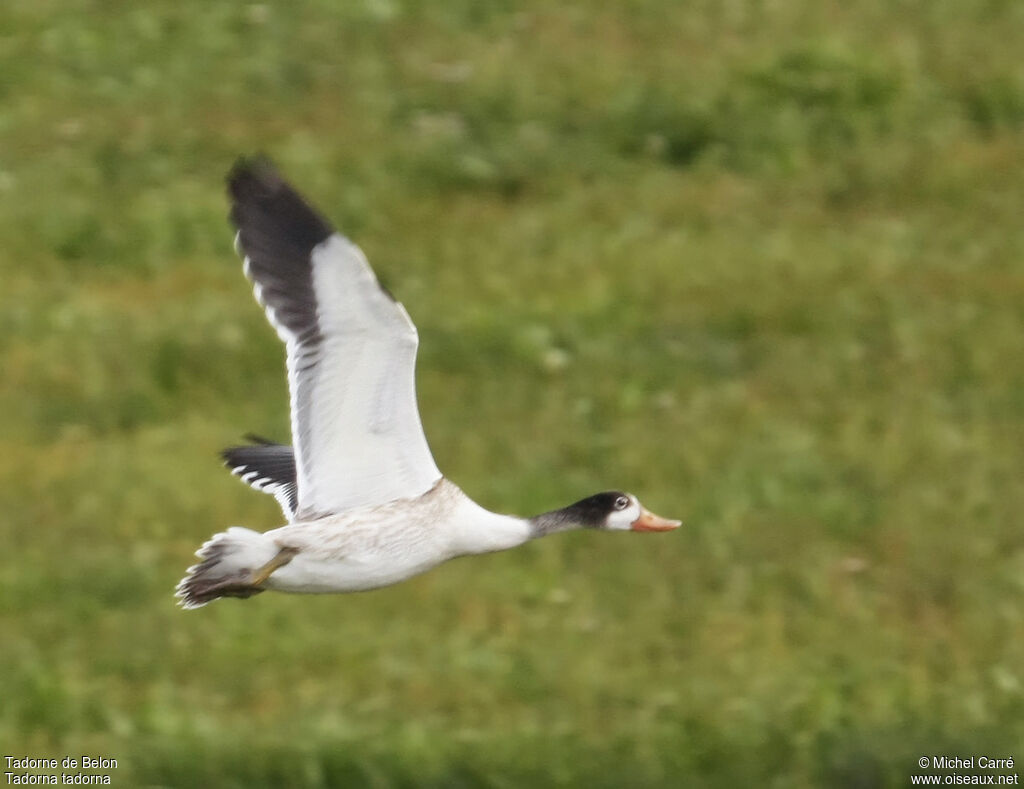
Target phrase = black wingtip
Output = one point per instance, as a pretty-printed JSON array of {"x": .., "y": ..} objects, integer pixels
[
  {"x": 253, "y": 173},
  {"x": 253, "y": 438},
  {"x": 267, "y": 467},
  {"x": 233, "y": 456},
  {"x": 271, "y": 215}
]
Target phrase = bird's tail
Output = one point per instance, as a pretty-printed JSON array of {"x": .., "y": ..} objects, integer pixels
[{"x": 229, "y": 561}]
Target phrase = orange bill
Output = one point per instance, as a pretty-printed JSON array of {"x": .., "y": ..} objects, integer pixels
[{"x": 648, "y": 521}]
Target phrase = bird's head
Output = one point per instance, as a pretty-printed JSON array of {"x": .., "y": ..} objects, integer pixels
[{"x": 617, "y": 511}]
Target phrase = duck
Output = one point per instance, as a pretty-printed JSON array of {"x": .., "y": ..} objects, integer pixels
[{"x": 364, "y": 501}]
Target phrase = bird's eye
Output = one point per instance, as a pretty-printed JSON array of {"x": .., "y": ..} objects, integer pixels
[{"x": 621, "y": 503}]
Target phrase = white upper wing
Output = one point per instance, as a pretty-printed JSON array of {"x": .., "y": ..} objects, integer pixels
[{"x": 351, "y": 351}]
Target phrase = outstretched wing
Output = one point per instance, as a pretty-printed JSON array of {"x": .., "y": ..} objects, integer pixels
[{"x": 351, "y": 351}]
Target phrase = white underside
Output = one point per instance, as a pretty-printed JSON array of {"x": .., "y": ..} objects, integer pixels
[{"x": 373, "y": 547}]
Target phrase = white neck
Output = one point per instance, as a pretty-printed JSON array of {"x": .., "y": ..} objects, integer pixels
[{"x": 476, "y": 530}]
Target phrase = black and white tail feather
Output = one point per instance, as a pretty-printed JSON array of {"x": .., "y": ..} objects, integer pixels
[
  {"x": 229, "y": 558},
  {"x": 228, "y": 562}
]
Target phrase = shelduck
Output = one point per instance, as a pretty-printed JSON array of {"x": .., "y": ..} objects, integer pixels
[{"x": 365, "y": 503}]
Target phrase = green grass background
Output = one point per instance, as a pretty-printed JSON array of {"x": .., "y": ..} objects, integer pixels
[{"x": 761, "y": 263}]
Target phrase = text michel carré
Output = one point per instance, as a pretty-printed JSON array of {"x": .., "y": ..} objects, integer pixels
[{"x": 970, "y": 763}]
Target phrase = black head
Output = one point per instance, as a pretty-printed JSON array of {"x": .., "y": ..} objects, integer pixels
[{"x": 612, "y": 509}]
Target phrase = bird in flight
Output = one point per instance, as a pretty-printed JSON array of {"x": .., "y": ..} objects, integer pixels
[{"x": 365, "y": 503}]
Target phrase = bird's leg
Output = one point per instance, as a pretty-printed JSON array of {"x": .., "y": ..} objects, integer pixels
[{"x": 285, "y": 555}]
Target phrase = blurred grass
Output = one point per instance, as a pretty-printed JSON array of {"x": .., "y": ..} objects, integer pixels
[{"x": 759, "y": 263}]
